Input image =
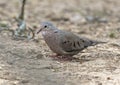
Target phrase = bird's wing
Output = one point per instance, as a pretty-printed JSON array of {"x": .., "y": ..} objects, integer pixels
[{"x": 71, "y": 43}]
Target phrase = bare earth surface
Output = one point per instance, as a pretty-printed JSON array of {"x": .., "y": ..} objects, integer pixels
[{"x": 28, "y": 63}]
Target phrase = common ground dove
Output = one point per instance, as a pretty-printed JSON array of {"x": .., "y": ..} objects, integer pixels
[{"x": 64, "y": 43}]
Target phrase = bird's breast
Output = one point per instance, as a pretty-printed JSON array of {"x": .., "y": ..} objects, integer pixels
[
  {"x": 48, "y": 36},
  {"x": 52, "y": 41}
]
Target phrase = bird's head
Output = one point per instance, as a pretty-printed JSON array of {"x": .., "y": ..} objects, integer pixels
[{"x": 46, "y": 26}]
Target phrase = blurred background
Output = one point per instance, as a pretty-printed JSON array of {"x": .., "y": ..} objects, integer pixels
[{"x": 75, "y": 15}]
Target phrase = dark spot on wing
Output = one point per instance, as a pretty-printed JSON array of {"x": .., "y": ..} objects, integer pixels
[
  {"x": 85, "y": 46},
  {"x": 78, "y": 43},
  {"x": 83, "y": 40},
  {"x": 66, "y": 42},
  {"x": 74, "y": 44},
  {"x": 91, "y": 42}
]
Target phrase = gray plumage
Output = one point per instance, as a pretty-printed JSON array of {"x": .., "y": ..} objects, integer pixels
[{"x": 63, "y": 42}]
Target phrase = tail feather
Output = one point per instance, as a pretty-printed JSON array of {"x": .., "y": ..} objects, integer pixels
[{"x": 93, "y": 42}]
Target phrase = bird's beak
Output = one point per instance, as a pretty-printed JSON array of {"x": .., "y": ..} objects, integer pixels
[{"x": 39, "y": 30}]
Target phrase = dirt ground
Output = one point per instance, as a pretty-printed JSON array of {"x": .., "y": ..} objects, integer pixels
[{"x": 28, "y": 63}]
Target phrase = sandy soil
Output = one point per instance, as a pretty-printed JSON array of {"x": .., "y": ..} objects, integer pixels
[{"x": 28, "y": 63}]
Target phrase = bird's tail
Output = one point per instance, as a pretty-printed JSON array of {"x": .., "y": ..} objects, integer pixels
[
  {"x": 89, "y": 42},
  {"x": 95, "y": 42}
]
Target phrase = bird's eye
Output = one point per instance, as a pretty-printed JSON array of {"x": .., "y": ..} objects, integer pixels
[{"x": 45, "y": 26}]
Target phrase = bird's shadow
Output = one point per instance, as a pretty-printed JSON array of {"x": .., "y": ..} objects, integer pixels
[{"x": 68, "y": 59}]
